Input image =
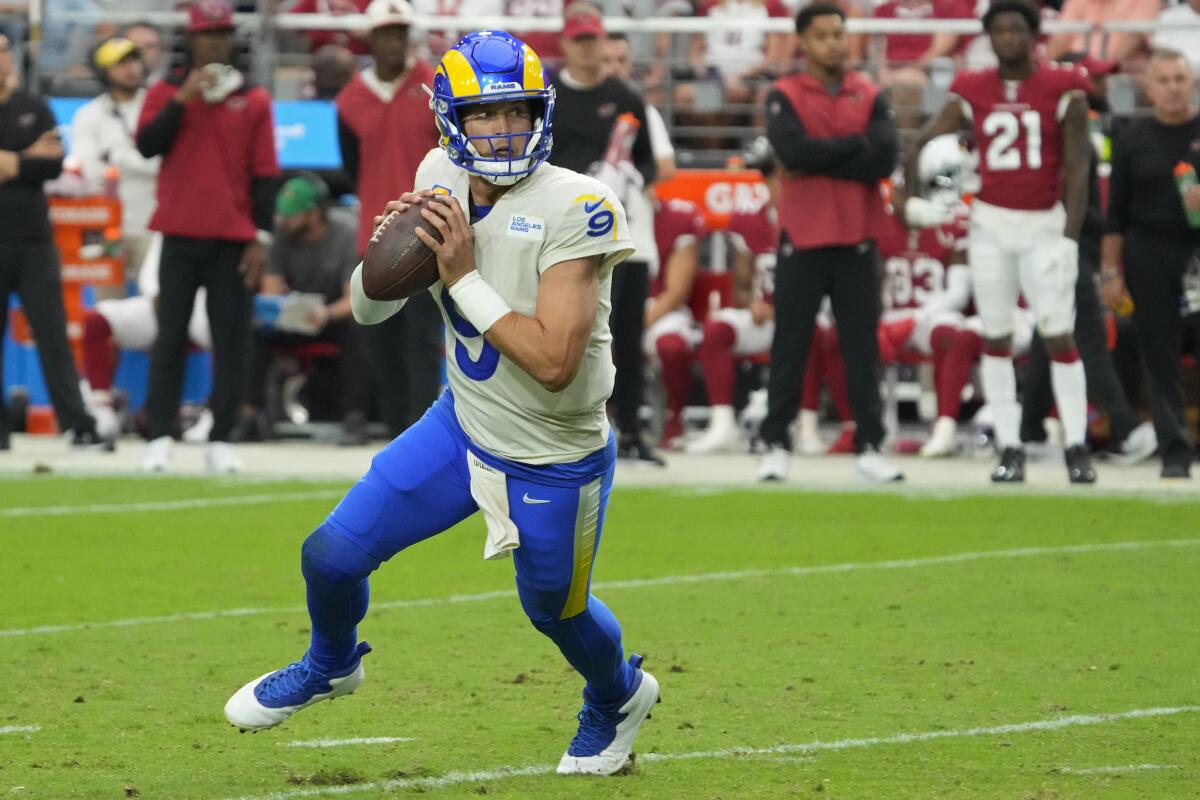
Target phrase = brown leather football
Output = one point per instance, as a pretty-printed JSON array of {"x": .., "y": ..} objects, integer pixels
[{"x": 398, "y": 265}]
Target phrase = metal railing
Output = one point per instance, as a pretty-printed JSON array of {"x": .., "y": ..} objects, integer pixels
[{"x": 268, "y": 34}]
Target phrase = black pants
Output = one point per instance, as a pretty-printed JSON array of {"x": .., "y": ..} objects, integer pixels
[
  {"x": 1154, "y": 270},
  {"x": 186, "y": 265},
  {"x": 1103, "y": 383},
  {"x": 353, "y": 370},
  {"x": 850, "y": 277},
  {"x": 630, "y": 288},
  {"x": 31, "y": 269},
  {"x": 405, "y": 353}
]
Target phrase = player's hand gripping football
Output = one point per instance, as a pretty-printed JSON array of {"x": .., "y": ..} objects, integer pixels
[
  {"x": 456, "y": 252},
  {"x": 405, "y": 201}
]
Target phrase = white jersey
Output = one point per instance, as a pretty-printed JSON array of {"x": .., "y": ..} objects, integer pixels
[{"x": 554, "y": 215}]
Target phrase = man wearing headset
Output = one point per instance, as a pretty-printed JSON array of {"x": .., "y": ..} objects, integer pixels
[{"x": 525, "y": 261}]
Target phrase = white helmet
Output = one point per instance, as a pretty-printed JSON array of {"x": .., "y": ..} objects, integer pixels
[{"x": 944, "y": 169}]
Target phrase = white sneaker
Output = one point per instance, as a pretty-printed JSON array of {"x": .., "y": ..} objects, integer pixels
[
  {"x": 158, "y": 455},
  {"x": 222, "y": 460},
  {"x": 722, "y": 434},
  {"x": 808, "y": 434},
  {"x": 198, "y": 433},
  {"x": 271, "y": 698},
  {"x": 873, "y": 467},
  {"x": 943, "y": 439},
  {"x": 775, "y": 464},
  {"x": 1139, "y": 445},
  {"x": 596, "y": 726},
  {"x": 108, "y": 424}
]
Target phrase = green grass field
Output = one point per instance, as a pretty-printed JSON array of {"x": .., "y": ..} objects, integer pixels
[{"x": 808, "y": 645}]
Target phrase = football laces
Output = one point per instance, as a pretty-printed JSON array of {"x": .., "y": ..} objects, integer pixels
[{"x": 383, "y": 223}]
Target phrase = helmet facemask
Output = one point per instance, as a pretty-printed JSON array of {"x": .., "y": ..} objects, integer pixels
[{"x": 526, "y": 149}]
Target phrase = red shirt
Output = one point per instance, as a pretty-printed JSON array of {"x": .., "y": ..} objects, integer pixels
[
  {"x": 393, "y": 136},
  {"x": 318, "y": 39},
  {"x": 1018, "y": 132},
  {"x": 677, "y": 223},
  {"x": 755, "y": 230},
  {"x": 204, "y": 184},
  {"x": 916, "y": 261},
  {"x": 817, "y": 210},
  {"x": 911, "y": 46}
]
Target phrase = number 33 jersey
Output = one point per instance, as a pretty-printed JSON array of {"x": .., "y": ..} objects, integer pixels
[
  {"x": 1018, "y": 131},
  {"x": 552, "y": 216}
]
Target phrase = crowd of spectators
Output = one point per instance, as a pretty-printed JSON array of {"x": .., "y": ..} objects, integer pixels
[{"x": 702, "y": 91}]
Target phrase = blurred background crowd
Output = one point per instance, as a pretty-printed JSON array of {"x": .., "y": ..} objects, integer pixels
[{"x": 697, "y": 74}]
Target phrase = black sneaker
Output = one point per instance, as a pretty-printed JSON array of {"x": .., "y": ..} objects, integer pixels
[
  {"x": 1079, "y": 464},
  {"x": 87, "y": 439},
  {"x": 1176, "y": 469},
  {"x": 640, "y": 453},
  {"x": 354, "y": 430},
  {"x": 1011, "y": 468},
  {"x": 252, "y": 426}
]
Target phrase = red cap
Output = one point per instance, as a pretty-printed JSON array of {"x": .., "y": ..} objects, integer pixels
[
  {"x": 210, "y": 15},
  {"x": 583, "y": 23}
]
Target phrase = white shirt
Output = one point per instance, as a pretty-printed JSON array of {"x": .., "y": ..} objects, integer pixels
[
  {"x": 102, "y": 134},
  {"x": 734, "y": 51},
  {"x": 1185, "y": 40},
  {"x": 552, "y": 216}
]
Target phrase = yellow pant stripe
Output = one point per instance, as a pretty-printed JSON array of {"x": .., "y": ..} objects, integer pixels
[{"x": 587, "y": 518}]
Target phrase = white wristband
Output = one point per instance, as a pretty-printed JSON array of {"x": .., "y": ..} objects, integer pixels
[{"x": 478, "y": 302}]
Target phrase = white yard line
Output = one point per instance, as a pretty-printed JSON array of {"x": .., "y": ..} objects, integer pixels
[
  {"x": 502, "y": 773},
  {"x": 21, "y": 729},
  {"x": 1115, "y": 770},
  {"x": 635, "y": 583},
  {"x": 345, "y": 742},
  {"x": 171, "y": 505}
]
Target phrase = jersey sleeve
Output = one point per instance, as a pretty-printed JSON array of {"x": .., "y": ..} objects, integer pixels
[
  {"x": 425, "y": 178},
  {"x": 592, "y": 223},
  {"x": 960, "y": 91}
]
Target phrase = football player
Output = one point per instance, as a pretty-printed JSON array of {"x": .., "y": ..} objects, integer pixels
[
  {"x": 1030, "y": 124},
  {"x": 927, "y": 284},
  {"x": 525, "y": 265},
  {"x": 670, "y": 327}
]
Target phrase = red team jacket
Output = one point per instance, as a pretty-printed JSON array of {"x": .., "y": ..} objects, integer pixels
[
  {"x": 393, "y": 138},
  {"x": 204, "y": 181},
  {"x": 1018, "y": 130},
  {"x": 816, "y": 210}
]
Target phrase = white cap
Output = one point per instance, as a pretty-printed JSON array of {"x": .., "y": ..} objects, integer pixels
[{"x": 381, "y": 13}]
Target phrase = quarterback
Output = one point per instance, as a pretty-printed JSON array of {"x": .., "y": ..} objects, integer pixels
[{"x": 525, "y": 265}]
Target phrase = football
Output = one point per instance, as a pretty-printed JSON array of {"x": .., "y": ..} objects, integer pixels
[{"x": 398, "y": 265}]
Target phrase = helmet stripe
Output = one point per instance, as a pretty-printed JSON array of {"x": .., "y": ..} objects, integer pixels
[
  {"x": 534, "y": 78},
  {"x": 463, "y": 81}
]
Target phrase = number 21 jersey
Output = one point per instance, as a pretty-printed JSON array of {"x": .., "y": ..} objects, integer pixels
[{"x": 1018, "y": 131}]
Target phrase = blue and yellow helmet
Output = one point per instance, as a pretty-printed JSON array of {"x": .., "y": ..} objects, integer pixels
[{"x": 490, "y": 67}]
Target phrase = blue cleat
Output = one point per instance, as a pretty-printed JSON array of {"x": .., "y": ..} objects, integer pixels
[
  {"x": 270, "y": 699},
  {"x": 605, "y": 738}
]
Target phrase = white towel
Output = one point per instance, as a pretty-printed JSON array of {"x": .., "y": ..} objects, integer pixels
[{"x": 489, "y": 488}]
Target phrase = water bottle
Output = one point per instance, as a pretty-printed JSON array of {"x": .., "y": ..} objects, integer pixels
[
  {"x": 1185, "y": 179},
  {"x": 112, "y": 180}
]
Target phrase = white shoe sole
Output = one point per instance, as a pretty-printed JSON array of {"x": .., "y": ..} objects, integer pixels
[
  {"x": 613, "y": 758},
  {"x": 245, "y": 712}
]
